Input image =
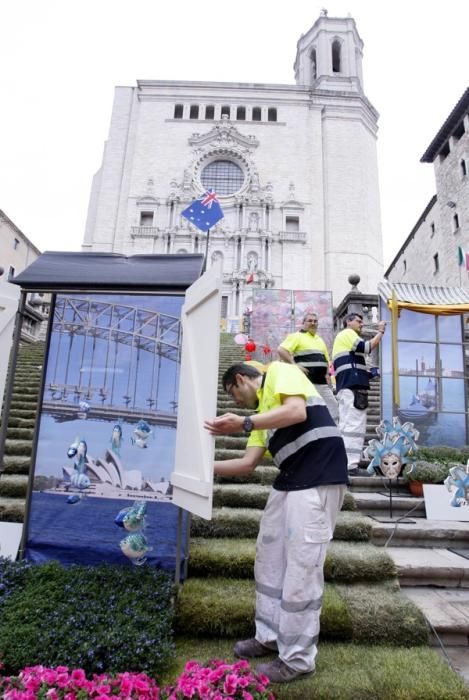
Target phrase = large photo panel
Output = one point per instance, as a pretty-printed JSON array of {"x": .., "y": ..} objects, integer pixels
[
  {"x": 107, "y": 432},
  {"x": 278, "y": 312},
  {"x": 432, "y": 378}
]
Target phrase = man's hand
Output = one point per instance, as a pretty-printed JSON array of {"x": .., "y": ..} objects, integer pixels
[{"x": 225, "y": 424}]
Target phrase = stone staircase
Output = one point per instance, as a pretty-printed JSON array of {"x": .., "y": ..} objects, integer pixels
[
  {"x": 373, "y": 414},
  {"x": 427, "y": 555},
  {"x": 14, "y": 472}
]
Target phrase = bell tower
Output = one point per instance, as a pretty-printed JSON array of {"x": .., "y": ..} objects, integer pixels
[{"x": 329, "y": 55}]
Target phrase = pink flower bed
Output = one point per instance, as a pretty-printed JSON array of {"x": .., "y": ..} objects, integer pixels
[
  {"x": 215, "y": 681},
  {"x": 218, "y": 680},
  {"x": 61, "y": 683}
]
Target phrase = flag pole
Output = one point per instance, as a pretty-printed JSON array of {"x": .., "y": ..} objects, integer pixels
[
  {"x": 396, "y": 400},
  {"x": 204, "y": 268}
]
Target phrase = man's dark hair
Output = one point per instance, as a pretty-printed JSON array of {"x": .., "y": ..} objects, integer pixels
[
  {"x": 351, "y": 317},
  {"x": 229, "y": 376}
]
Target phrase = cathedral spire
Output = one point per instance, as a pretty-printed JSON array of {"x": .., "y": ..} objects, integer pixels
[{"x": 329, "y": 55}]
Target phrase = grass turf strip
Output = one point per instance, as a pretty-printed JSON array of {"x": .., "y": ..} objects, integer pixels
[
  {"x": 244, "y": 522},
  {"x": 220, "y": 607},
  {"x": 234, "y": 558},
  {"x": 255, "y": 496},
  {"x": 348, "y": 672}
]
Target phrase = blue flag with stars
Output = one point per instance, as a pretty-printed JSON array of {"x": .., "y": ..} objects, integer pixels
[{"x": 204, "y": 212}]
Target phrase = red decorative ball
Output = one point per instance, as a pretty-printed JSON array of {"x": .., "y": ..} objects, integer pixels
[
  {"x": 266, "y": 349},
  {"x": 250, "y": 346},
  {"x": 247, "y": 357}
]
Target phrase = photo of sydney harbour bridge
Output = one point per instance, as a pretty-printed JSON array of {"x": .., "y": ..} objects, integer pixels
[{"x": 110, "y": 394}]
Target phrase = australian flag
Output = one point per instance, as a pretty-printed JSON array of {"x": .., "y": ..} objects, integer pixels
[{"x": 205, "y": 211}]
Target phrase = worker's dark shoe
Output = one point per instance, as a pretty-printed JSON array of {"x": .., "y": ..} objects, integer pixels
[
  {"x": 278, "y": 672},
  {"x": 249, "y": 648}
]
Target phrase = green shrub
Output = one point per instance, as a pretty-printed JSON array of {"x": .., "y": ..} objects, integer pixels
[
  {"x": 427, "y": 472},
  {"x": 103, "y": 618},
  {"x": 443, "y": 453},
  {"x": 12, "y": 577}
]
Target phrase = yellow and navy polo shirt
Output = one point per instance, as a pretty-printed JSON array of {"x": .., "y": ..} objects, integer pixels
[
  {"x": 309, "y": 351},
  {"x": 348, "y": 356},
  {"x": 310, "y": 453}
]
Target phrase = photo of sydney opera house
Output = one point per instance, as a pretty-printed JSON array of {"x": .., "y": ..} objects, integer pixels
[
  {"x": 109, "y": 405},
  {"x": 109, "y": 479}
]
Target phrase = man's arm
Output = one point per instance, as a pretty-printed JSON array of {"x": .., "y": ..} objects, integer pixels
[
  {"x": 292, "y": 410},
  {"x": 375, "y": 341},
  {"x": 241, "y": 466},
  {"x": 285, "y": 355}
]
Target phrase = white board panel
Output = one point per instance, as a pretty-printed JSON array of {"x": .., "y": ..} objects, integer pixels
[
  {"x": 10, "y": 538},
  {"x": 438, "y": 504},
  {"x": 192, "y": 478}
]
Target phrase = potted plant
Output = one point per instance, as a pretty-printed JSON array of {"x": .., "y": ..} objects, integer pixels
[{"x": 422, "y": 472}]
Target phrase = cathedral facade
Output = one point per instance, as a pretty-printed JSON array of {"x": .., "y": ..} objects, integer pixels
[{"x": 294, "y": 168}]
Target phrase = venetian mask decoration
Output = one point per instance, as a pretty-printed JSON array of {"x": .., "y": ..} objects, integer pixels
[
  {"x": 457, "y": 483},
  {"x": 395, "y": 449},
  {"x": 391, "y": 465}
]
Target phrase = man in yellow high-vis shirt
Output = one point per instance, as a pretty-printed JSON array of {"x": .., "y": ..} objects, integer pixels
[
  {"x": 309, "y": 351},
  {"x": 352, "y": 382},
  {"x": 293, "y": 423}
]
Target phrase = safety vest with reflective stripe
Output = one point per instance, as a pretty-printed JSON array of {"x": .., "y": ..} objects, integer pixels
[
  {"x": 309, "y": 351},
  {"x": 310, "y": 453},
  {"x": 348, "y": 357}
]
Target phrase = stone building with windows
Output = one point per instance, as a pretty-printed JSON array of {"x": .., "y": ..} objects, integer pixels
[
  {"x": 434, "y": 251},
  {"x": 16, "y": 253},
  {"x": 16, "y": 250},
  {"x": 294, "y": 167}
]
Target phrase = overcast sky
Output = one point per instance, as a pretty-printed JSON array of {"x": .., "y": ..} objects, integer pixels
[{"x": 60, "y": 61}]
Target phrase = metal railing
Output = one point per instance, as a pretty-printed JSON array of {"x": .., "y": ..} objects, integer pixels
[
  {"x": 299, "y": 236},
  {"x": 144, "y": 231}
]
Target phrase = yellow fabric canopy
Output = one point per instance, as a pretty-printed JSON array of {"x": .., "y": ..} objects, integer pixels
[
  {"x": 420, "y": 298},
  {"x": 435, "y": 309}
]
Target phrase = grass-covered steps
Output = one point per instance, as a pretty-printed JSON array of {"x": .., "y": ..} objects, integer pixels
[
  {"x": 346, "y": 672},
  {"x": 18, "y": 422},
  {"x": 12, "y": 509},
  {"x": 18, "y": 447},
  {"x": 244, "y": 522},
  {"x": 345, "y": 563},
  {"x": 19, "y": 433},
  {"x": 13, "y": 485},
  {"x": 265, "y": 474},
  {"x": 255, "y": 496},
  {"x": 16, "y": 464},
  {"x": 222, "y": 454},
  {"x": 372, "y": 613},
  {"x": 231, "y": 442},
  {"x": 21, "y": 420}
]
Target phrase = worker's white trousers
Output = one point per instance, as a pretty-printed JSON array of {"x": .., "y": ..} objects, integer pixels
[
  {"x": 295, "y": 529},
  {"x": 331, "y": 402},
  {"x": 352, "y": 425}
]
